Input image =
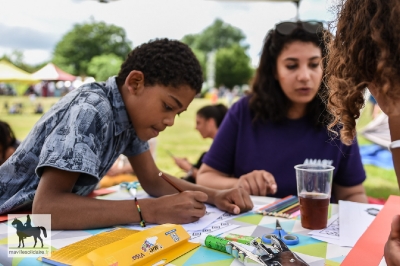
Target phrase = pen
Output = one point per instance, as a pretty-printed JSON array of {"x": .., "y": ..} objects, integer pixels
[{"x": 170, "y": 182}]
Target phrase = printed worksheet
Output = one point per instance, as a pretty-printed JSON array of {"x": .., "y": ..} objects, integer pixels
[
  {"x": 214, "y": 229},
  {"x": 331, "y": 231},
  {"x": 330, "y": 234}
]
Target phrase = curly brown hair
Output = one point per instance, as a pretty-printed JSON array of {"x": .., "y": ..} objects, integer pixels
[
  {"x": 165, "y": 62},
  {"x": 267, "y": 100},
  {"x": 366, "y": 49}
]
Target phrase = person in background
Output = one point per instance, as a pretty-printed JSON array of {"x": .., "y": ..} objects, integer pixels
[
  {"x": 366, "y": 54},
  {"x": 208, "y": 120},
  {"x": 8, "y": 142},
  {"x": 122, "y": 165},
  {"x": 39, "y": 109},
  {"x": 283, "y": 123}
]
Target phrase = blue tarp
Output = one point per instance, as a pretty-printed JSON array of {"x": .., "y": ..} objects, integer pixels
[{"x": 376, "y": 155}]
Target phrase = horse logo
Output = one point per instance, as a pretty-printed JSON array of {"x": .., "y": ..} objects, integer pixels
[{"x": 24, "y": 231}]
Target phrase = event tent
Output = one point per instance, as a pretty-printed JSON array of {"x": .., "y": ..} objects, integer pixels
[
  {"x": 51, "y": 72},
  {"x": 11, "y": 73}
]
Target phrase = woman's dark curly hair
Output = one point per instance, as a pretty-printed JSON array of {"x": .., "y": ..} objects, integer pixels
[
  {"x": 216, "y": 112},
  {"x": 268, "y": 101},
  {"x": 366, "y": 49},
  {"x": 7, "y": 139},
  {"x": 165, "y": 62}
]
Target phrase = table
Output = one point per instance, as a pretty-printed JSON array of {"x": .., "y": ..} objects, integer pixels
[{"x": 250, "y": 224}]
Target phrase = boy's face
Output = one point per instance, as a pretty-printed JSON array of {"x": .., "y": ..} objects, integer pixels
[{"x": 151, "y": 109}]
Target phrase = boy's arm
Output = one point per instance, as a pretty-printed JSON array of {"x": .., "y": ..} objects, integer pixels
[
  {"x": 147, "y": 173},
  {"x": 70, "y": 211}
]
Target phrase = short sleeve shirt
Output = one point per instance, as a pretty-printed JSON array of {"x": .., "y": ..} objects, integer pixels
[
  {"x": 84, "y": 132},
  {"x": 242, "y": 146}
]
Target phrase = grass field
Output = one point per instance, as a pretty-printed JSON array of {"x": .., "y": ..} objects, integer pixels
[{"x": 183, "y": 140}]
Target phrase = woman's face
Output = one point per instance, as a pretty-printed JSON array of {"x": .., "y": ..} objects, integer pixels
[
  {"x": 299, "y": 71},
  {"x": 205, "y": 126}
]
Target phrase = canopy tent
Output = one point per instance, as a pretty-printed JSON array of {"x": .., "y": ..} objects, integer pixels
[
  {"x": 51, "y": 72},
  {"x": 11, "y": 73}
]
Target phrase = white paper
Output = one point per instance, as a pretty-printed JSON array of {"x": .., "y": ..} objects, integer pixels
[
  {"x": 331, "y": 231},
  {"x": 354, "y": 219},
  {"x": 214, "y": 229},
  {"x": 203, "y": 222},
  {"x": 212, "y": 214}
]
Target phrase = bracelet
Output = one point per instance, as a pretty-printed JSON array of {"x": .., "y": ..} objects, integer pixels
[
  {"x": 395, "y": 144},
  {"x": 142, "y": 221}
]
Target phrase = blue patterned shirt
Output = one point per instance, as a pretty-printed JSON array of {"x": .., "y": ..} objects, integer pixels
[{"x": 84, "y": 132}]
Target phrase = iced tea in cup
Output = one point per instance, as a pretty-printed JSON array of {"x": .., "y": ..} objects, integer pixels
[{"x": 314, "y": 184}]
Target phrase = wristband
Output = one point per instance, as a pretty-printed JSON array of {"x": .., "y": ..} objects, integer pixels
[
  {"x": 395, "y": 144},
  {"x": 142, "y": 221}
]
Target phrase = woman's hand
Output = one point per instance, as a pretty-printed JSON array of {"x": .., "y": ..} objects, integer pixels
[
  {"x": 182, "y": 208},
  {"x": 258, "y": 183}
]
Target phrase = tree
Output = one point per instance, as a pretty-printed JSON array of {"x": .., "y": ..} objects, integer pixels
[
  {"x": 85, "y": 41},
  {"x": 218, "y": 35},
  {"x": 232, "y": 67},
  {"x": 232, "y": 63},
  {"x": 104, "y": 66}
]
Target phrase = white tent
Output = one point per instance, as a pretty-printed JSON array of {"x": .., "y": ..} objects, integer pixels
[{"x": 51, "y": 72}]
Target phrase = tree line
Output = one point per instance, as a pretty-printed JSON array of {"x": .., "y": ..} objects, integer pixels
[{"x": 98, "y": 49}]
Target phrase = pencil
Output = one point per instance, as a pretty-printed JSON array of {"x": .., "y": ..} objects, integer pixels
[{"x": 170, "y": 182}]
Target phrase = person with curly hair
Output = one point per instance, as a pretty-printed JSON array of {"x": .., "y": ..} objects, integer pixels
[
  {"x": 366, "y": 54},
  {"x": 283, "y": 123},
  {"x": 77, "y": 141},
  {"x": 8, "y": 142},
  {"x": 208, "y": 120}
]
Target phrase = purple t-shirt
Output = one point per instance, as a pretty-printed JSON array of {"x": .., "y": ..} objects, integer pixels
[{"x": 242, "y": 146}]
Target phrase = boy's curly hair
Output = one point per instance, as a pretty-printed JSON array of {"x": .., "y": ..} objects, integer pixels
[
  {"x": 165, "y": 62},
  {"x": 366, "y": 49},
  {"x": 267, "y": 100}
]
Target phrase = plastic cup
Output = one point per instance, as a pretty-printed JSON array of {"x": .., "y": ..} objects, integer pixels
[{"x": 314, "y": 185}]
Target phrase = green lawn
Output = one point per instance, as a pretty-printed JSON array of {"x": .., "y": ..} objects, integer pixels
[{"x": 183, "y": 140}]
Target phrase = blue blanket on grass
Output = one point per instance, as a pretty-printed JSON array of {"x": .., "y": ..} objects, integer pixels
[{"x": 376, "y": 155}]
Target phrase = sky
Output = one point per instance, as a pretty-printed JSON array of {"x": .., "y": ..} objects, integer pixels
[{"x": 35, "y": 26}]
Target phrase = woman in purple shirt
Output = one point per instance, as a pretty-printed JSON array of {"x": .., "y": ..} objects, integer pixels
[{"x": 282, "y": 123}]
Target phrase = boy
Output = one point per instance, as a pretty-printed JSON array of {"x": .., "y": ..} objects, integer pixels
[{"x": 74, "y": 144}]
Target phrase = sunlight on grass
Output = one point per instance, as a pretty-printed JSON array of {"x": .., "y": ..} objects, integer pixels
[{"x": 183, "y": 140}]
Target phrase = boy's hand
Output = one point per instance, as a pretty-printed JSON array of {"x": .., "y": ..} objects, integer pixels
[
  {"x": 234, "y": 200},
  {"x": 181, "y": 208}
]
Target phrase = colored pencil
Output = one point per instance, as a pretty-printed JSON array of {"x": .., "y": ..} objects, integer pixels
[
  {"x": 170, "y": 182},
  {"x": 274, "y": 203},
  {"x": 289, "y": 208},
  {"x": 282, "y": 205}
]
